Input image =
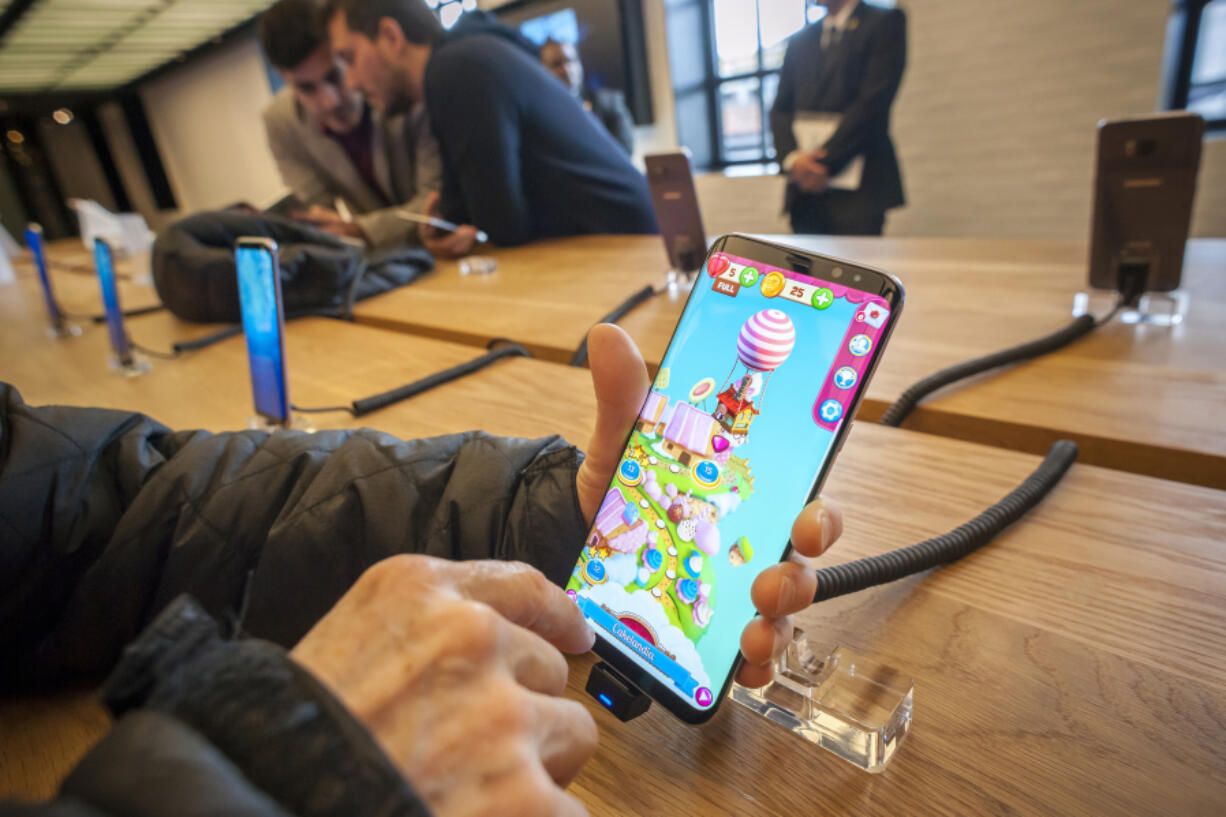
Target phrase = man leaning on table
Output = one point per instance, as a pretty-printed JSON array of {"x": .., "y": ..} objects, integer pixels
[
  {"x": 836, "y": 87},
  {"x": 522, "y": 160},
  {"x": 330, "y": 145},
  {"x": 395, "y": 678}
]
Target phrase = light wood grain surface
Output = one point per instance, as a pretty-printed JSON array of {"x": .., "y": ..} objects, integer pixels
[
  {"x": 330, "y": 363},
  {"x": 1076, "y": 666},
  {"x": 1137, "y": 398}
]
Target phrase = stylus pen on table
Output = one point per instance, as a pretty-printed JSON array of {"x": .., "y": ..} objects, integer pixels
[
  {"x": 440, "y": 223},
  {"x": 346, "y": 215},
  {"x": 343, "y": 210}
]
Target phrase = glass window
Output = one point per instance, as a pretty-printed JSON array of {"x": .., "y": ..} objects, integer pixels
[
  {"x": 1207, "y": 89},
  {"x": 779, "y": 20},
  {"x": 449, "y": 11},
  {"x": 736, "y": 36},
  {"x": 730, "y": 51},
  {"x": 1196, "y": 56},
  {"x": 740, "y": 115}
]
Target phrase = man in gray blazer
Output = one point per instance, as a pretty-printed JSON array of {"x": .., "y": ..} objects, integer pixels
[{"x": 331, "y": 146}]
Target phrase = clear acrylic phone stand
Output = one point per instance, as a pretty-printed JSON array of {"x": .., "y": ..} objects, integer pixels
[
  {"x": 133, "y": 366},
  {"x": 297, "y": 422},
  {"x": 63, "y": 329},
  {"x": 477, "y": 265},
  {"x": 679, "y": 281},
  {"x": 854, "y": 707},
  {"x": 1153, "y": 308}
]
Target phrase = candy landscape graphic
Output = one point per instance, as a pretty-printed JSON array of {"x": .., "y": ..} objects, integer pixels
[{"x": 684, "y": 512}]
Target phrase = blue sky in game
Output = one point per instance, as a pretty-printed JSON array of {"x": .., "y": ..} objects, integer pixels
[{"x": 785, "y": 446}]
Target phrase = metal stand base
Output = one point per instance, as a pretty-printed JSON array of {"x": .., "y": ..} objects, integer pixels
[
  {"x": 63, "y": 329},
  {"x": 478, "y": 265},
  {"x": 679, "y": 281},
  {"x": 296, "y": 421},
  {"x": 134, "y": 366},
  {"x": 1153, "y": 308},
  {"x": 850, "y": 705}
]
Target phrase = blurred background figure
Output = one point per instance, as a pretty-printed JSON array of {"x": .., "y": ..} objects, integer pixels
[
  {"x": 850, "y": 63},
  {"x": 330, "y": 145},
  {"x": 606, "y": 104}
]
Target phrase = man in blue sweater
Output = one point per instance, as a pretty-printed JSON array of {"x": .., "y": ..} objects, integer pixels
[{"x": 522, "y": 160}]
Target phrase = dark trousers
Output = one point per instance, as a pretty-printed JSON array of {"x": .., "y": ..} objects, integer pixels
[{"x": 835, "y": 212}]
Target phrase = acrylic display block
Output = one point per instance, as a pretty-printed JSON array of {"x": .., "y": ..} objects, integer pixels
[{"x": 850, "y": 705}]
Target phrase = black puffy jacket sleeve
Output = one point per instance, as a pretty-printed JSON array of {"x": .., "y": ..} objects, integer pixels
[
  {"x": 107, "y": 516},
  {"x": 208, "y": 726}
]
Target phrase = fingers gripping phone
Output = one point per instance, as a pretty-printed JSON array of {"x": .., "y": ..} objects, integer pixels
[
  {"x": 750, "y": 406},
  {"x": 259, "y": 295},
  {"x": 104, "y": 264}
]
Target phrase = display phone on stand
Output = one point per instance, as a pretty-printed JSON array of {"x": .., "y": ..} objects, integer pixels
[
  {"x": 677, "y": 213},
  {"x": 123, "y": 358},
  {"x": 259, "y": 296},
  {"x": 753, "y": 399},
  {"x": 58, "y": 325},
  {"x": 1144, "y": 183}
]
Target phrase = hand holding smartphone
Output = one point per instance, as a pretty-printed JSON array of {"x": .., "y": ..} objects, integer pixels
[{"x": 751, "y": 403}]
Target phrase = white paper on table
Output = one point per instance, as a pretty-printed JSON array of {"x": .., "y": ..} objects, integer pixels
[
  {"x": 813, "y": 131},
  {"x": 9, "y": 249}
]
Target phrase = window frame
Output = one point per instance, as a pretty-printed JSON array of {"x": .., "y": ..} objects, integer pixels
[
  {"x": 1182, "y": 36},
  {"x": 711, "y": 84}
]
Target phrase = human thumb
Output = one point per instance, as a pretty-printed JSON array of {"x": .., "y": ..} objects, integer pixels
[{"x": 619, "y": 378}]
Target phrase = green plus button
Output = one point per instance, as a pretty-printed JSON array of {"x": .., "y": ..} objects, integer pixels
[
  {"x": 749, "y": 277},
  {"x": 823, "y": 298}
]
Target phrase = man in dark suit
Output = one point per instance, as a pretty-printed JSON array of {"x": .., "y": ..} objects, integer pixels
[
  {"x": 521, "y": 160},
  {"x": 850, "y": 64},
  {"x": 606, "y": 104}
]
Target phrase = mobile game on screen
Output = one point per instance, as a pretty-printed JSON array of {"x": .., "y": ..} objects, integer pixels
[
  {"x": 258, "y": 297},
  {"x": 743, "y": 412}
]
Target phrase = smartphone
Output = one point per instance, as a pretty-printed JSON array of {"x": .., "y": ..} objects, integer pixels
[
  {"x": 259, "y": 296},
  {"x": 752, "y": 401},
  {"x": 677, "y": 213},
  {"x": 105, "y": 265},
  {"x": 34, "y": 240},
  {"x": 1144, "y": 183}
]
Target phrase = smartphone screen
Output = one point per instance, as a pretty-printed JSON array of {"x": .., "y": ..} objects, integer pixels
[
  {"x": 105, "y": 266},
  {"x": 259, "y": 294},
  {"x": 747, "y": 410},
  {"x": 34, "y": 240}
]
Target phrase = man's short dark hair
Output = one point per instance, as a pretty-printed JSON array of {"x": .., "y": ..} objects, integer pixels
[
  {"x": 416, "y": 20},
  {"x": 290, "y": 32}
]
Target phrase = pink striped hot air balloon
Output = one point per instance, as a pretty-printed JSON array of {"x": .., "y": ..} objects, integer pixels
[
  {"x": 763, "y": 344},
  {"x": 766, "y": 340}
]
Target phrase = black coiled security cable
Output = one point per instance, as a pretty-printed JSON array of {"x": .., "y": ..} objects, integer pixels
[
  {"x": 369, "y": 404},
  {"x": 1131, "y": 286},
  {"x": 505, "y": 348},
  {"x": 904, "y": 405},
  {"x": 620, "y": 311},
  {"x": 851, "y": 577}
]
